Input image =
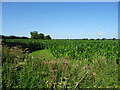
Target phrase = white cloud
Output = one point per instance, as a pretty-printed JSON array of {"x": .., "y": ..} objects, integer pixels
[{"x": 101, "y": 33}]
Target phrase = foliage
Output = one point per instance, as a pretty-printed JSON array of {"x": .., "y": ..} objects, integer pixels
[
  {"x": 35, "y": 35},
  {"x": 41, "y": 36},
  {"x": 61, "y": 64},
  {"x": 114, "y": 38},
  {"x": 48, "y": 37},
  {"x": 12, "y": 37}
]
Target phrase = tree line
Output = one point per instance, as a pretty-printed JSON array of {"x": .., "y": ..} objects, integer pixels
[
  {"x": 34, "y": 35},
  {"x": 12, "y": 37}
]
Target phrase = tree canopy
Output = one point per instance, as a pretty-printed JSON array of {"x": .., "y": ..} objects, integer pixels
[{"x": 36, "y": 35}]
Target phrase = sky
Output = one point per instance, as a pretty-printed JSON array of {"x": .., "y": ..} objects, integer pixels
[
  {"x": 61, "y": 20},
  {"x": 60, "y": 0}
]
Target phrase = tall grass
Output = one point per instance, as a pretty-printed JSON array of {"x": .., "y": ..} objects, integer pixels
[{"x": 60, "y": 70}]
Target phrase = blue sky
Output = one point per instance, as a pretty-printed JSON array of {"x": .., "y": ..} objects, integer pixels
[{"x": 61, "y": 20}]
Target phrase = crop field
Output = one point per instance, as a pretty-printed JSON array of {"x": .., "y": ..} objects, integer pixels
[{"x": 29, "y": 63}]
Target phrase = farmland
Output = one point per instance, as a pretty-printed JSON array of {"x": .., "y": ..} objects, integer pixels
[{"x": 29, "y": 63}]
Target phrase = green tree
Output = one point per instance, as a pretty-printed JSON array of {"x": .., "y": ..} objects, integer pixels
[
  {"x": 34, "y": 35},
  {"x": 103, "y": 38},
  {"x": 41, "y": 36},
  {"x": 48, "y": 37},
  {"x": 114, "y": 39}
]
